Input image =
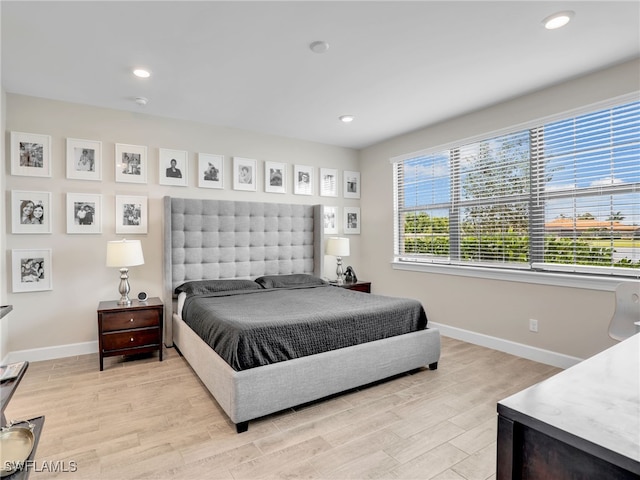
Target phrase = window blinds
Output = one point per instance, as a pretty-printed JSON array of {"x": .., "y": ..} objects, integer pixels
[
  {"x": 558, "y": 196},
  {"x": 590, "y": 178}
]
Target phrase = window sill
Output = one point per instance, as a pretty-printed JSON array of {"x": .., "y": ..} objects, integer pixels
[{"x": 590, "y": 282}]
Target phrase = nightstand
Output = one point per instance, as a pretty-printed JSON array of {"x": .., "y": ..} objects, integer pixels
[
  {"x": 358, "y": 286},
  {"x": 132, "y": 329}
]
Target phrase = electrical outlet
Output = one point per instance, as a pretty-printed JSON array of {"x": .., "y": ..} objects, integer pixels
[{"x": 533, "y": 325}]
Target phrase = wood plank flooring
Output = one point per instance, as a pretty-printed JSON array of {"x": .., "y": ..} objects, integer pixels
[{"x": 144, "y": 419}]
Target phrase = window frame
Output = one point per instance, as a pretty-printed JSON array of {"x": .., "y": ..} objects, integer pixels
[{"x": 533, "y": 271}]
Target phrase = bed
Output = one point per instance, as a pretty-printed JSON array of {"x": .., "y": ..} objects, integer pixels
[{"x": 213, "y": 242}]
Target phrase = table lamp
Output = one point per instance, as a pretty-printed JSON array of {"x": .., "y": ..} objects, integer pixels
[
  {"x": 338, "y": 247},
  {"x": 123, "y": 254}
]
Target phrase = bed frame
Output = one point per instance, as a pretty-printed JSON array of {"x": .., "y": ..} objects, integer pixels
[{"x": 219, "y": 239}]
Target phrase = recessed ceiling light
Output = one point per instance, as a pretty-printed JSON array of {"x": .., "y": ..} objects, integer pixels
[
  {"x": 142, "y": 73},
  {"x": 346, "y": 118},
  {"x": 558, "y": 20},
  {"x": 319, "y": 46},
  {"x": 142, "y": 101}
]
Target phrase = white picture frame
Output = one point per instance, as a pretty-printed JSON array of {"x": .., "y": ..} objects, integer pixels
[
  {"x": 275, "y": 177},
  {"x": 351, "y": 218},
  {"x": 31, "y": 270},
  {"x": 173, "y": 167},
  {"x": 131, "y": 215},
  {"x": 30, "y": 154},
  {"x": 84, "y": 213},
  {"x": 30, "y": 212},
  {"x": 328, "y": 182},
  {"x": 303, "y": 180},
  {"x": 131, "y": 163},
  {"x": 210, "y": 170},
  {"x": 244, "y": 174},
  {"x": 330, "y": 219},
  {"x": 351, "y": 182},
  {"x": 84, "y": 159}
]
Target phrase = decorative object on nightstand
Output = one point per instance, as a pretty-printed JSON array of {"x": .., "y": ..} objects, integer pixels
[
  {"x": 123, "y": 254},
  {"x": 350, "y": 275},
  {"x": 338, "y": 247},
  {"x": 128, "y": 330}
]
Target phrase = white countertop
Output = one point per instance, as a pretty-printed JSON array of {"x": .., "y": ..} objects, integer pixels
[{"x": 597, "y": 400}]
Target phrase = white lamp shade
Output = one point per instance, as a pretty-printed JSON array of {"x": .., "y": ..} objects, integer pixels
[
  {"x": 338, "y": 247},
  {"x": 124, "y": 253}
]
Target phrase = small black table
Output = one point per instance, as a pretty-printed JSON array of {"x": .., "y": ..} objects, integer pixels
[{"x": 7, "y": 388}]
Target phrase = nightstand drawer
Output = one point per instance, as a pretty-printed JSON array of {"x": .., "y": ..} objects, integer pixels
[
  {"x": 131, "y": 319},
  {"x": 359, "y": 287},
  {"x": 131, "y": 339}
]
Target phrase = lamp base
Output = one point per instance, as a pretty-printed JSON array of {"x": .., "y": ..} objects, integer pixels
[
  {"x": 124, "y": 287},
  {"x": 339, "y": 271}
]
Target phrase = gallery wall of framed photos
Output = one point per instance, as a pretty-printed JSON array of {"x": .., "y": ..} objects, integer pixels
[
  {"x": 79, "y": 176},
  {"x": 31, "y": 212}
]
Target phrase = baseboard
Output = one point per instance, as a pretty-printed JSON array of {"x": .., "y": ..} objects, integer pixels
[
  {"x": 521, "y": 350},
  {"x": 525, "y": 351},
  {"x": 51, "y": 353}
]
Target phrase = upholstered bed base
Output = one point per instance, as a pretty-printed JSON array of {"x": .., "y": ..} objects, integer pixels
[
  {"x": 253, "y": 393},
  {"x": 216, "y": 239}
]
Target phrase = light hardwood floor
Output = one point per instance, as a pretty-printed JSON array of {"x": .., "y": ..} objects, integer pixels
[{"x": 147, "y": 419}]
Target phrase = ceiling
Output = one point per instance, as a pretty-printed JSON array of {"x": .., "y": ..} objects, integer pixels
[{"x": 396, "y": 66}]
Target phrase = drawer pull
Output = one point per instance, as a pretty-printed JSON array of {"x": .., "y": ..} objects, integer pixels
[
  {"x": 131, "y": 339},
  {"x": 131, "y": 320}
]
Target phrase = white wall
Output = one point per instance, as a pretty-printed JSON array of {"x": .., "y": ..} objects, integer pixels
[
  {"x": 572, "y": 322},
  {"x": 49, "y": 321}
]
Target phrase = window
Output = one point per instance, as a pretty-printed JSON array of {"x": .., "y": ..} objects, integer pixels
[{"x": 558, "y": 196}]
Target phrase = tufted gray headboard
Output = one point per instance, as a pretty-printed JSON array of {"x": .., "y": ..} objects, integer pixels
[{"x": 218, "y": 239}]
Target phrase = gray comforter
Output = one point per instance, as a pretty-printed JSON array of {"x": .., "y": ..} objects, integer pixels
[{"x": 259, "y": 327}]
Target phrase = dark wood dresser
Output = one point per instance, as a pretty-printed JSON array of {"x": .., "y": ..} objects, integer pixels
[
  {"x": 583, "y": 423},
  {"x": 128, "y": 330}
]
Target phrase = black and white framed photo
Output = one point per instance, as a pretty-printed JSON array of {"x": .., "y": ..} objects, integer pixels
[
  {"x": 131, "y": 214},
  {"x": 84, "y": 159},
  {"x": 244, "y": 174},
  {"x": 275, "y": 177},
  {"x": 174, "y": 167},
  {"x": 84, "y": 213},
  {"x": 328, "y": 182},
  {"x": 30, "y": 154},
  {"x": 31, "y": 270},
  {"x": 210, "y": 170},
  {"x": 131, "y": 163},
  {"x": 303, "y": 180},
  {"x": 351, "y": 184},
  {"x": 30, "y": 212},
  {"x": 352, "y": 220},
  {"x": 330, "y": 219}
]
